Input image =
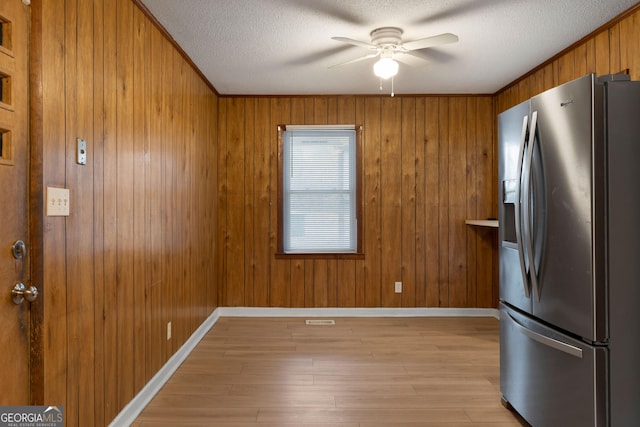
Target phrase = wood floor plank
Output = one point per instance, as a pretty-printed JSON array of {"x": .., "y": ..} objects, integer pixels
[{"x": 361, "y": 372}]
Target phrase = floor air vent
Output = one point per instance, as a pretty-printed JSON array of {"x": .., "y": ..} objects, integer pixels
[{"x": 320, "y": 322}]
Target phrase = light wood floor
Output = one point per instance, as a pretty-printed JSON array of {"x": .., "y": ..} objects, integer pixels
[{"x": 365, "y": 372}]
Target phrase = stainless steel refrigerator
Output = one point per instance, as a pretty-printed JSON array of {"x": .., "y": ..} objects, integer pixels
[{"x": 569, "y": 209}]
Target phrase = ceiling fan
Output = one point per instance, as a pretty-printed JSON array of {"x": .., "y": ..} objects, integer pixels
[{"x": 386, "y": 43}]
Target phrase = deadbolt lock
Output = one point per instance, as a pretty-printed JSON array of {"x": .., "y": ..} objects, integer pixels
[{"x": 19, "y": 249}]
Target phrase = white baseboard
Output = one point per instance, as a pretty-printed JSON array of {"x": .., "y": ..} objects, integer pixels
[
  {"x": 133, "y": 409},
  {"x": 130, "y": 412},
  {"x": 357, "y": 312}
]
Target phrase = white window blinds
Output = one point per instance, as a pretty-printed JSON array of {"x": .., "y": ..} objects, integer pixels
[{"x": 319, "y": 190}]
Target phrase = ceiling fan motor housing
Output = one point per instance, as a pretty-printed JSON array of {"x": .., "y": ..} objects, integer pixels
[{"x": 386, "y": 36}]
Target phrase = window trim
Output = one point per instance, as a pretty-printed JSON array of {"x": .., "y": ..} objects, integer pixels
[{"x": 280, "y": 253}]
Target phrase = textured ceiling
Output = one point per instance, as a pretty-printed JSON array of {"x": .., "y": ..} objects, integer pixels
[{"x": 280, "y": 47}]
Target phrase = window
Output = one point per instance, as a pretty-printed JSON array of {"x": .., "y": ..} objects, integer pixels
[{"x": 319, "y": 197}]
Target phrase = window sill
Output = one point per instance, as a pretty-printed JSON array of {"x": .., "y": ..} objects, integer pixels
[{"x": 282, "y": 255}]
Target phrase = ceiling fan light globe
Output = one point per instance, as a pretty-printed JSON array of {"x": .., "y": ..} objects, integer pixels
[{"x": 385, "y": 68}]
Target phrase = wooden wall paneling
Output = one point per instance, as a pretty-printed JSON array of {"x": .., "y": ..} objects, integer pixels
[
  {"x": 590, "y": 59},
  {"x": 548, "y": 78},
  {"x": 197, "y": 283},
  {"x": 181, "y": 199},
  {"x": 432, "y": 202},
  {"x": 145, "y": 67},
  {"x": 443, "y": 202},
  {"x": 491, "y": 200},
  {"x": 487, "y": 204},
  {"x": 372, "y": 201},
  {"x": 537, "y": 82},
  {"x": 190, "y": 191},
  {"x": 54, "y": 269},
  {"x": 84, "y": 245},
  {"x": 346, "y": 269},
  {"x": 175, "y": 284},
  {"x": 172, "y": 249},
  {"x": 360, "y": 264},
  {"x": 601, "y": 42},
  {"x": 629, "y": 36},
  {"x": 124, "y": 202},
  {"x": 74, "y": 271},
  {"x": 191, "y": 188},
  {"x": 299, "y": 287},
  {"x": 580, "y": 60},
  {"x": 457, "y": 202},
  {"x": 618, "y": 54},
  {"x": 139, "y": 199},
  {"x": 212, "y": 142},
  {"x": 166, "y": 193},
  {"x": 391, "y": 199},
  {"x": 280, "y": 281},
  {"x": 407, "y": 216},
  {"x": 420, "y": 204},
  {"x": 110, "y": 217},
  {"x": 155, "y": 344},
  {"x": 108, "y": 337},
  {"x": 223, "y": 205},
  {"x": 566, "y": 68},
  {"x": 524, "y": 90},
  {"x": 472, "y": 182},
  {"x": 264, "y": 197},
  {"x": 97, "y": 144},
  {"x": 249, "y": 208}
]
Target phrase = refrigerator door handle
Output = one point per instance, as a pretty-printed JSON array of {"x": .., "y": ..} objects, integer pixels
[
  {"x": 518, "y": 208},
  {"x": 549, "y": 342},
  {"x": 527, "y": 217}
]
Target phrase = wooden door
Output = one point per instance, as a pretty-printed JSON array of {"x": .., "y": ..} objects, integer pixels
[{"x": 14, "y": 267}]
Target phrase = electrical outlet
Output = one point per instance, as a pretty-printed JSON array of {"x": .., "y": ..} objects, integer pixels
[
  {"x": 398, "y": 287},
  {"x": 57, "y": 201},
  {"x": 168, "y": 331}
]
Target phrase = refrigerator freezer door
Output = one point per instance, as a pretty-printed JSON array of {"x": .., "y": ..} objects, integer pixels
[
  {"x": 563, "y": 206},
  {"x": 549, "y": 378}
]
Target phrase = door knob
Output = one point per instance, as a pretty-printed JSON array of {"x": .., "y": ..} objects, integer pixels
[{"x": 20, "y": 292}]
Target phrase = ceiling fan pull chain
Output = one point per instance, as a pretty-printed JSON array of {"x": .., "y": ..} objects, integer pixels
[
  {"x": 392, "y": 87},
  {"x": 380, "y": 83}
]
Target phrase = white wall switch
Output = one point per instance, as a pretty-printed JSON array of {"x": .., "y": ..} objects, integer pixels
[
  {"x": 398, "y": 287},
  {"x": 58, "y": 202}
]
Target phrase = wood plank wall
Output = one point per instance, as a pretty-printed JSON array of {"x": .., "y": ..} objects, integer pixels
[
  {"x": 174, "y": 214},
  {"x": 136, "y": 251},
  {"x": 612, "y": 49},
  {"x": 428, "y": 165}
]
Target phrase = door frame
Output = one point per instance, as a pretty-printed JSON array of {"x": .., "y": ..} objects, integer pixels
[{"x": 35, "y": 203}]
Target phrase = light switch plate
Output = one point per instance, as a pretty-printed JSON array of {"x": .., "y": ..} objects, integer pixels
[{"x": 58, "y": 202}]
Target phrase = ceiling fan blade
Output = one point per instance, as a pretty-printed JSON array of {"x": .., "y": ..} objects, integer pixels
[
  {"x": 411, "y": 60},
  {"x": 461, "y": 9},
  {"x": 430, "y": 41},
  {"x": 355, "y": 42},
  {"x": 362, "y": 58}
]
